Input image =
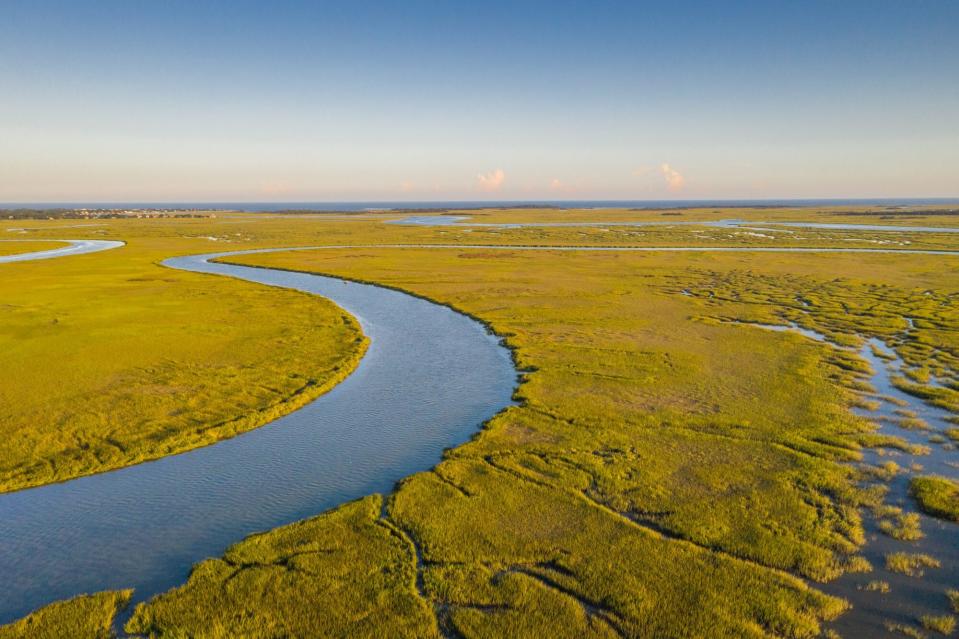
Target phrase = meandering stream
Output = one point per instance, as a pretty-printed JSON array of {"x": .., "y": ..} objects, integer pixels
[
  {"x": 74, "y": 247},
  {"x": 430, "y": 378}
]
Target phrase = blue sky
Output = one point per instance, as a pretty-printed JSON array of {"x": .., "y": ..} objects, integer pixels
[{"x": 299, "y": 101}]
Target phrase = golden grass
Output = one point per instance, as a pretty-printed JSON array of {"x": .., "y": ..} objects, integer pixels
[
  {"x": 943, "y": 624},
  {"x": 905, "y": 630},
  {"x": 902, "y": 526},
  {"x": 953, "y": 597},
  {"x": 878, "y": 586},
  {"x": 83, "y": 617},
  {"x": 937, "y": 496},
  {"x": 109, "y": 359},
  {"x": 912, "y": 565},
  {"x": 28, "y": 246},
  {"x": 344, "y": 572},
  {"x": 640, "y": 409}
]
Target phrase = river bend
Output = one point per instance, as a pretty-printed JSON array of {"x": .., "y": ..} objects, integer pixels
[{"x": 430, "y": 378}]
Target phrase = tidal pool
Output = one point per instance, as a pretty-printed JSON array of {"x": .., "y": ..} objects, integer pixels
[{"x": 430, "y": 378}]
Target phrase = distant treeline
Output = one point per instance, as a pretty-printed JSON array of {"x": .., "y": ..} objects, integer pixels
[
  {"x": 86, "y": 214},
  {"x": 902, "y": 213},
  {"x": 434, "y": 211},
  {"x": 510, "y": 207},
  {"x": 311, "y": 212},
  {"x": 698, "y": 207}
]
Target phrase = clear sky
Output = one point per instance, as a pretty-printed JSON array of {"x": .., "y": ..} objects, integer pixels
[{"x": 357, "y": 100}]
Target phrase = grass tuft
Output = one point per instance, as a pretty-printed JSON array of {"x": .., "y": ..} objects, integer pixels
[{"x": 937, "y": 496}]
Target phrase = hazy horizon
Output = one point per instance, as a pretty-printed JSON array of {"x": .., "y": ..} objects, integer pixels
[
  {"x": 322, "y": 102},
  {"x": 399, "y": 205}
]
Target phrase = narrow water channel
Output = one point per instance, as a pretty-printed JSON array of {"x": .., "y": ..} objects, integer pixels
[
  {"x": 908, "y": 598},
  {"x": 465, "y": 221},
  {"x": 74, "y": 247}
]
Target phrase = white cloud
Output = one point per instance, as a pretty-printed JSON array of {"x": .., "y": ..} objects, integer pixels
[
  {"x": 491, "y": 181},
  {"x": 674, "y": 179}
]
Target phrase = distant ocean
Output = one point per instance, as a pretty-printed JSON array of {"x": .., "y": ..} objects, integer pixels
[{"x": 580, "y": 204}]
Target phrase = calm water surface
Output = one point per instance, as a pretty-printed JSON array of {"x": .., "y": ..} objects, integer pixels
[{"x": 431, "y": 377}]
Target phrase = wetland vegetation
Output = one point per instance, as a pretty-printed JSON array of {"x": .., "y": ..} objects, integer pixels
[
  {"x": 27, "y": 246},
  {"x": 83, "y": 617},
  {"x": 668, "y": 471},
  {"x": 110, "y": 359},
  {"x": 938, "y": 496}
]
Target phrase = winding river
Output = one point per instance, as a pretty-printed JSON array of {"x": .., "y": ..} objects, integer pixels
[
  {"x": 74, "y": 247},
  {"x": 430, "y": 378}
]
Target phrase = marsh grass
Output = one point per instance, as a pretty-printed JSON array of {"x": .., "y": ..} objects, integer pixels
[
  {"x": 664, "y": 473},
  {"x": 83, "y": 617},
  {"x": 937, "y": 496},
  {"x": 953, "y": 597},
  {"x": 878, "y": 586},
  {"x": 905, "y": 630},
  {"x": 109, "y": 359},
  {"x": 344, "y": 573},
  {"x": 911, "y": 423},
  {"x": 903, "y": 526},
  {"x": 28, "y": 246},
  {"x": 943, "y": 624},
  {"x": 911, "y": 565},
  {"x": 572, "y": 404}
]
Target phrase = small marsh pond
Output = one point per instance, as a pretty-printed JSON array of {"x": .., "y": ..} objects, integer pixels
[{"x": 430, "y": 378}]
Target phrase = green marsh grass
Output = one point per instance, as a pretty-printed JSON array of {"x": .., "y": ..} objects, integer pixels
[
  {"x": 910, "y": 564},
  {"x": 83, "y": 617},
  {"x": 28, "y": 246},
  {"x": 110, "y": 359},
  {"x": 937, "y": 496}
]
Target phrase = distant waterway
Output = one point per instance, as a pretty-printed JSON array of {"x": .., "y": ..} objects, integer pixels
[
  {"x": 74, "y": 247},
  {"x": 464, "y": 221}
]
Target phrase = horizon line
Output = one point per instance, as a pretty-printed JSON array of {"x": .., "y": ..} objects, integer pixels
[{"x": 531, "y": 201}]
